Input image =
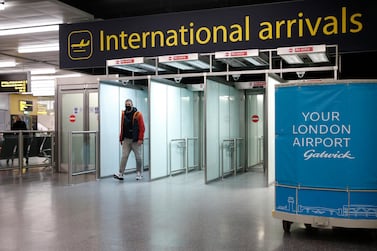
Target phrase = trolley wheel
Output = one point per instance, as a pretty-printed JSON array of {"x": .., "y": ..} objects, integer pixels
[
  {"x": 308, "y": 226},
  {"x": 287, "y": 226}
]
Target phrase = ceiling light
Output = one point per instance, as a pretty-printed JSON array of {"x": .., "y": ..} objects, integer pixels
[
  {"x": 318, "y": 57},
  {"x": 43, "y": 87},
  {"x": 149, "y": 67},
  {"x": 179, "y": 65},
  {"x": 257, "y": 61},
  {"x": 233, "y": 62},
  {"x": 2, "y": 4},
  {"x": 71, "y": 75},
  {"x": 33, "y": 29},
  {"x": 198, "y": 64},
  {"x": 42, "y": 77},
  {"x": 292, "y": 59},
  {"x": 38, "y": 48},
  {"x": 317, "y": 53},
  {"x": 7, "y": 63},
  {"x": 49, "y": 77},
  {"x": 129, "y": 68},
  {"x": 43, "y": 71}
]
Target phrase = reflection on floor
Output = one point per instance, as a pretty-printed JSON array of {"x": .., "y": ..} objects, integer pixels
[{"x": 41, "y": 211}]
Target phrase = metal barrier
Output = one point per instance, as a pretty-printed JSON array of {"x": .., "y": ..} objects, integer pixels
[
  {"x": 233, "y": 146},
  {"x": 183, "y": 144},
  {"x": 75, "y": 167},
  {"x": 195, "y": 152},
  {"x": 37, "y": 147}
]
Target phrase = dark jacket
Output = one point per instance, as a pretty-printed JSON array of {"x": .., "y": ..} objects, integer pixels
[
  {"x": 19, "y": 125},
  {"x": 132, "y": 125}
]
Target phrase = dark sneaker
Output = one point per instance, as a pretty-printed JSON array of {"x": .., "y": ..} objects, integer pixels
[{"x": 118, "y": 176}]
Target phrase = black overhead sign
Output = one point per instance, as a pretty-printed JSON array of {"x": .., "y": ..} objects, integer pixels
[
  {"x": 350, "y": 24},
  {"x": 14, "y": 82}
]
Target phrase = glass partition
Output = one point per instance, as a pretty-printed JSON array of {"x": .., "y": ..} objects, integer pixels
[
  {"x": 112, "y": 98},
  {"x": 21, "y": 150},
  {"x": 83, "y": 152},
  {"x": 223, "y": 128},
  {"x": 172, "y": 122}
]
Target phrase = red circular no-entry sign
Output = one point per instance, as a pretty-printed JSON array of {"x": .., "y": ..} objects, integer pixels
[
  {"x": 72, "y": 118},
  {"x": 255, "y": 118}
]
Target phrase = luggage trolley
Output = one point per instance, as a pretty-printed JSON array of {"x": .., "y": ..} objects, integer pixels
[{"x": 326, "y": 173}]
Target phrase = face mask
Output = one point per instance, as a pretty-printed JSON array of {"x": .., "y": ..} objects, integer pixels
[{"x": 128, "y": 108}]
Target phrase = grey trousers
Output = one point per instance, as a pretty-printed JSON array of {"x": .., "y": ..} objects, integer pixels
[{"x": 127, "y": 147}]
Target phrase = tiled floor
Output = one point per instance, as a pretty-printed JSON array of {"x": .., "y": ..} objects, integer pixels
[{"x": 40, "y": 211}]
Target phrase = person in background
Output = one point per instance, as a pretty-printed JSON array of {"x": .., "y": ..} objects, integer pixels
[
  {"x": 131, "y": 138},
  {"x": 17, "y": 125}
]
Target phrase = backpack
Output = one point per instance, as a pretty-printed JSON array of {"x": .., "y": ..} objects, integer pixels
[{"x": 136, "y": 114}]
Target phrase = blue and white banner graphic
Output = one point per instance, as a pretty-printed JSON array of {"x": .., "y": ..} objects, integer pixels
[{"x": 326, "y": 141}]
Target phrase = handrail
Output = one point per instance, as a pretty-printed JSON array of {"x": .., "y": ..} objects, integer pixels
[
  {"x": 184, "y": 145},
  {"x": 233, "y": 146},
  {"x": 195, "y": 139},
  {"x": 33, "y": 146}
]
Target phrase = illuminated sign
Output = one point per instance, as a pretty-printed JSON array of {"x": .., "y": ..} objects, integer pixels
[
  {"x": 80, "y": 45},
  {"x": 235, "y": 54},
  {"x": 14, "y": 82},
  {"x": 301, "y": 49},
  {"x": 125, "y": 61},
  {"x": 26, "y": 105},
  {"x": 298, "y": 23},
  {"x": 182, "y": 57}
]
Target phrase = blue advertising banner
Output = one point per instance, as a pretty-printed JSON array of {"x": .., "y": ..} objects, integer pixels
[
  {"x": 326, "y": 135},
  {"x": 326, "y": 139},
  {"x": 293, "y": 23}
]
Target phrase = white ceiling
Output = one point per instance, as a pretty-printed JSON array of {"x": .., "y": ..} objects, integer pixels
[{"x": 25, "y": 13}]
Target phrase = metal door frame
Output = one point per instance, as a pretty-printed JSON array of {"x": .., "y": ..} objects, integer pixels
[{"x": 62, "y": 89}]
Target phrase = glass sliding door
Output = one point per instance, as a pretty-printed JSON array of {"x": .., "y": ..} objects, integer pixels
[
  {"x": 78, "y": 111},
  {"x": 72, "y": 118}
]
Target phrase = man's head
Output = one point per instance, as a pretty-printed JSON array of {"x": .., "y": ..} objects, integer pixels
[
  {"x": 16, "y": 118},
  {"x": 128, "y": 105}
]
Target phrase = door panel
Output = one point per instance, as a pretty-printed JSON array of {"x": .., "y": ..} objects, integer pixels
[
  {"x": 72, "y": 119},
  {"x": 78, "y": 111},
  {"x": 255, "y": 127}
]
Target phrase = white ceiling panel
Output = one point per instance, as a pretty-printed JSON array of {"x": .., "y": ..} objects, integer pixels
[{"x": 26, "y": 13}]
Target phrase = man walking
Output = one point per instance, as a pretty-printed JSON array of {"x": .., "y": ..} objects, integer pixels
[{"x": 131, "y": 138}]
